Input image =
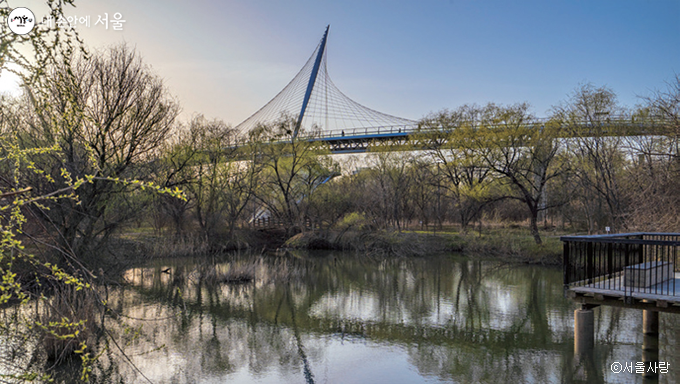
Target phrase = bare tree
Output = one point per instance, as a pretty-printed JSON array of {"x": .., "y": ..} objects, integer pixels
[
  {"x": 219, "y": 183},
  {"x": 389, "y": 184},
  {"x": 598, "y": 159},
  {"x": 665, "y": 106},
  {"x": 652, "y": 177},
  {"x": 175, "y": 169},
  {"x": 108, "y": 116}
]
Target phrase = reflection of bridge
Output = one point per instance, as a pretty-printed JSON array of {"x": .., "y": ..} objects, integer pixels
[{"x": 322, "y": 113}]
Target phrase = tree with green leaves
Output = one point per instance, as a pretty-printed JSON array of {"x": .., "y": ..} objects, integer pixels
[
  {"x": 520, "y": 152},
  {"x": 52, "y": 310},
  {"x": 292, "y": 170},
  {"x": 464, "y": 175}
]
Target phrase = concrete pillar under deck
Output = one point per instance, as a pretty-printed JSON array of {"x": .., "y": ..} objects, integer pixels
[
  {"x": 650, "y": 322},
  {"x": 650, "y": 340},
  {"x": 584, "y": 330}
]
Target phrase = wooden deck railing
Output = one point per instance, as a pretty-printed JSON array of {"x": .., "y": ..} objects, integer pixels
[
  {"x": 629, "y": 262},
  {"x": 271, "y": 223}
]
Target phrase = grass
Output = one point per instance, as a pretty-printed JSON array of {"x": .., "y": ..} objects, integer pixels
[
  {"x": 370, "y": 242},
  {"x": 517, "y": 247},
  {"x": 511, "y": 244}
]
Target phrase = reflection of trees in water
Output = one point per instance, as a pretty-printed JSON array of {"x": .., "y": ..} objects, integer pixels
[
  {"x": 461, "y": 320},
  {"x": 476, "y": 364},
  {"x": 309, "y": 376},
  {"x": 199, "y": 345}
]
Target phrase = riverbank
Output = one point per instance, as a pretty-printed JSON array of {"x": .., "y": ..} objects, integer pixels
[
  {"x": 514, "y": 245},
  {"x": 506, "y": 244}
]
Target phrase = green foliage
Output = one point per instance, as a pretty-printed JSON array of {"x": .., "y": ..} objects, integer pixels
[
  {"x": 460, "y": 169},
  {"x": 12, "y": 251},
  {"x": 354, "y": 220},
  {"x": 291, "y": 171},
  {"x": 495, "y": 152},
  {"x": 57, "y": 149},
  {"x": 63, "y": 335},
  {"x": 30, "y": 54},
  {"x": 104, "y": 135}
]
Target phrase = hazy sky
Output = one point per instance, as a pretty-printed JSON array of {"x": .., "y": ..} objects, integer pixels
[{"x": 226, "y": 59}]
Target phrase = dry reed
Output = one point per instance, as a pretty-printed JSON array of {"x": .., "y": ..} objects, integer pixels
[{"x": 70, "y": 319}]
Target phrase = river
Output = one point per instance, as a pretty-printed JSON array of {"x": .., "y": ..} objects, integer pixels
[{"x": 336, "y": 317}]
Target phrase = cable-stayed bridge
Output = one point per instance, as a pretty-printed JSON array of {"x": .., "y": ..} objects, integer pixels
[{"x": 321, "y": 112}]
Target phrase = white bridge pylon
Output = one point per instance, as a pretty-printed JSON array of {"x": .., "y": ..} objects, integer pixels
[{"x": 318, "y": 106}]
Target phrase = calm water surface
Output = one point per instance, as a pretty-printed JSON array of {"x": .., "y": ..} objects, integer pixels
[{"x": 343, "y": 318}]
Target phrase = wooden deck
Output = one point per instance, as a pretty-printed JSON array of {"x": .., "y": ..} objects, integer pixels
[
  {"x": 664, "y": 297},
  {"x": 631, "y": 270}
]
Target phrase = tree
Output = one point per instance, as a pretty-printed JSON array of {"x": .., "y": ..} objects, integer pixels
[
  {"x": 388, "y": 184},
  {"x": 292, "y": 170},
  {"x": 463, "y": 173},
  {"x": 62, "y": 325},
  {"x": 175, "y": 170},
  {"x": 425, "y": 191},
  {"x": 521, "y": 152},
  {"x": 598, "y": 160},
  {"x": 652, "y": 176},
  {"x": 46, "y": 45},
  {"x": 108, "y": 116},
  {"x": 664, "y": 107},
  {"x": 220, "y": 185}
]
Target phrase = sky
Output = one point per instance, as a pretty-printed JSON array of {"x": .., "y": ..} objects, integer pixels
[{"x": 226, "y": 59}]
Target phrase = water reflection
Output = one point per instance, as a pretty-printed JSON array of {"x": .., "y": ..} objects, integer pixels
[{"x": 341, "y": 318}]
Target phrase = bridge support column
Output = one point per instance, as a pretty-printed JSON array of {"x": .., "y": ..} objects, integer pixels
[
  {"x": 650, "y": 341},
  {"x": 650, "y": 322},
  {"x": 584, "y": 330}
]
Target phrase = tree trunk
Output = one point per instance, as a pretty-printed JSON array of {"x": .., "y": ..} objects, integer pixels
[{"x": 534, "y": 227}]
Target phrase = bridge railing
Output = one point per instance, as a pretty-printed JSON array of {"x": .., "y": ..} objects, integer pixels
[
  {"x": 631, "y": 125},
  {"x": 630, "y": 262},
  {"x": 271, "y": 223},
  {"x": 364, "y": 131}
]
